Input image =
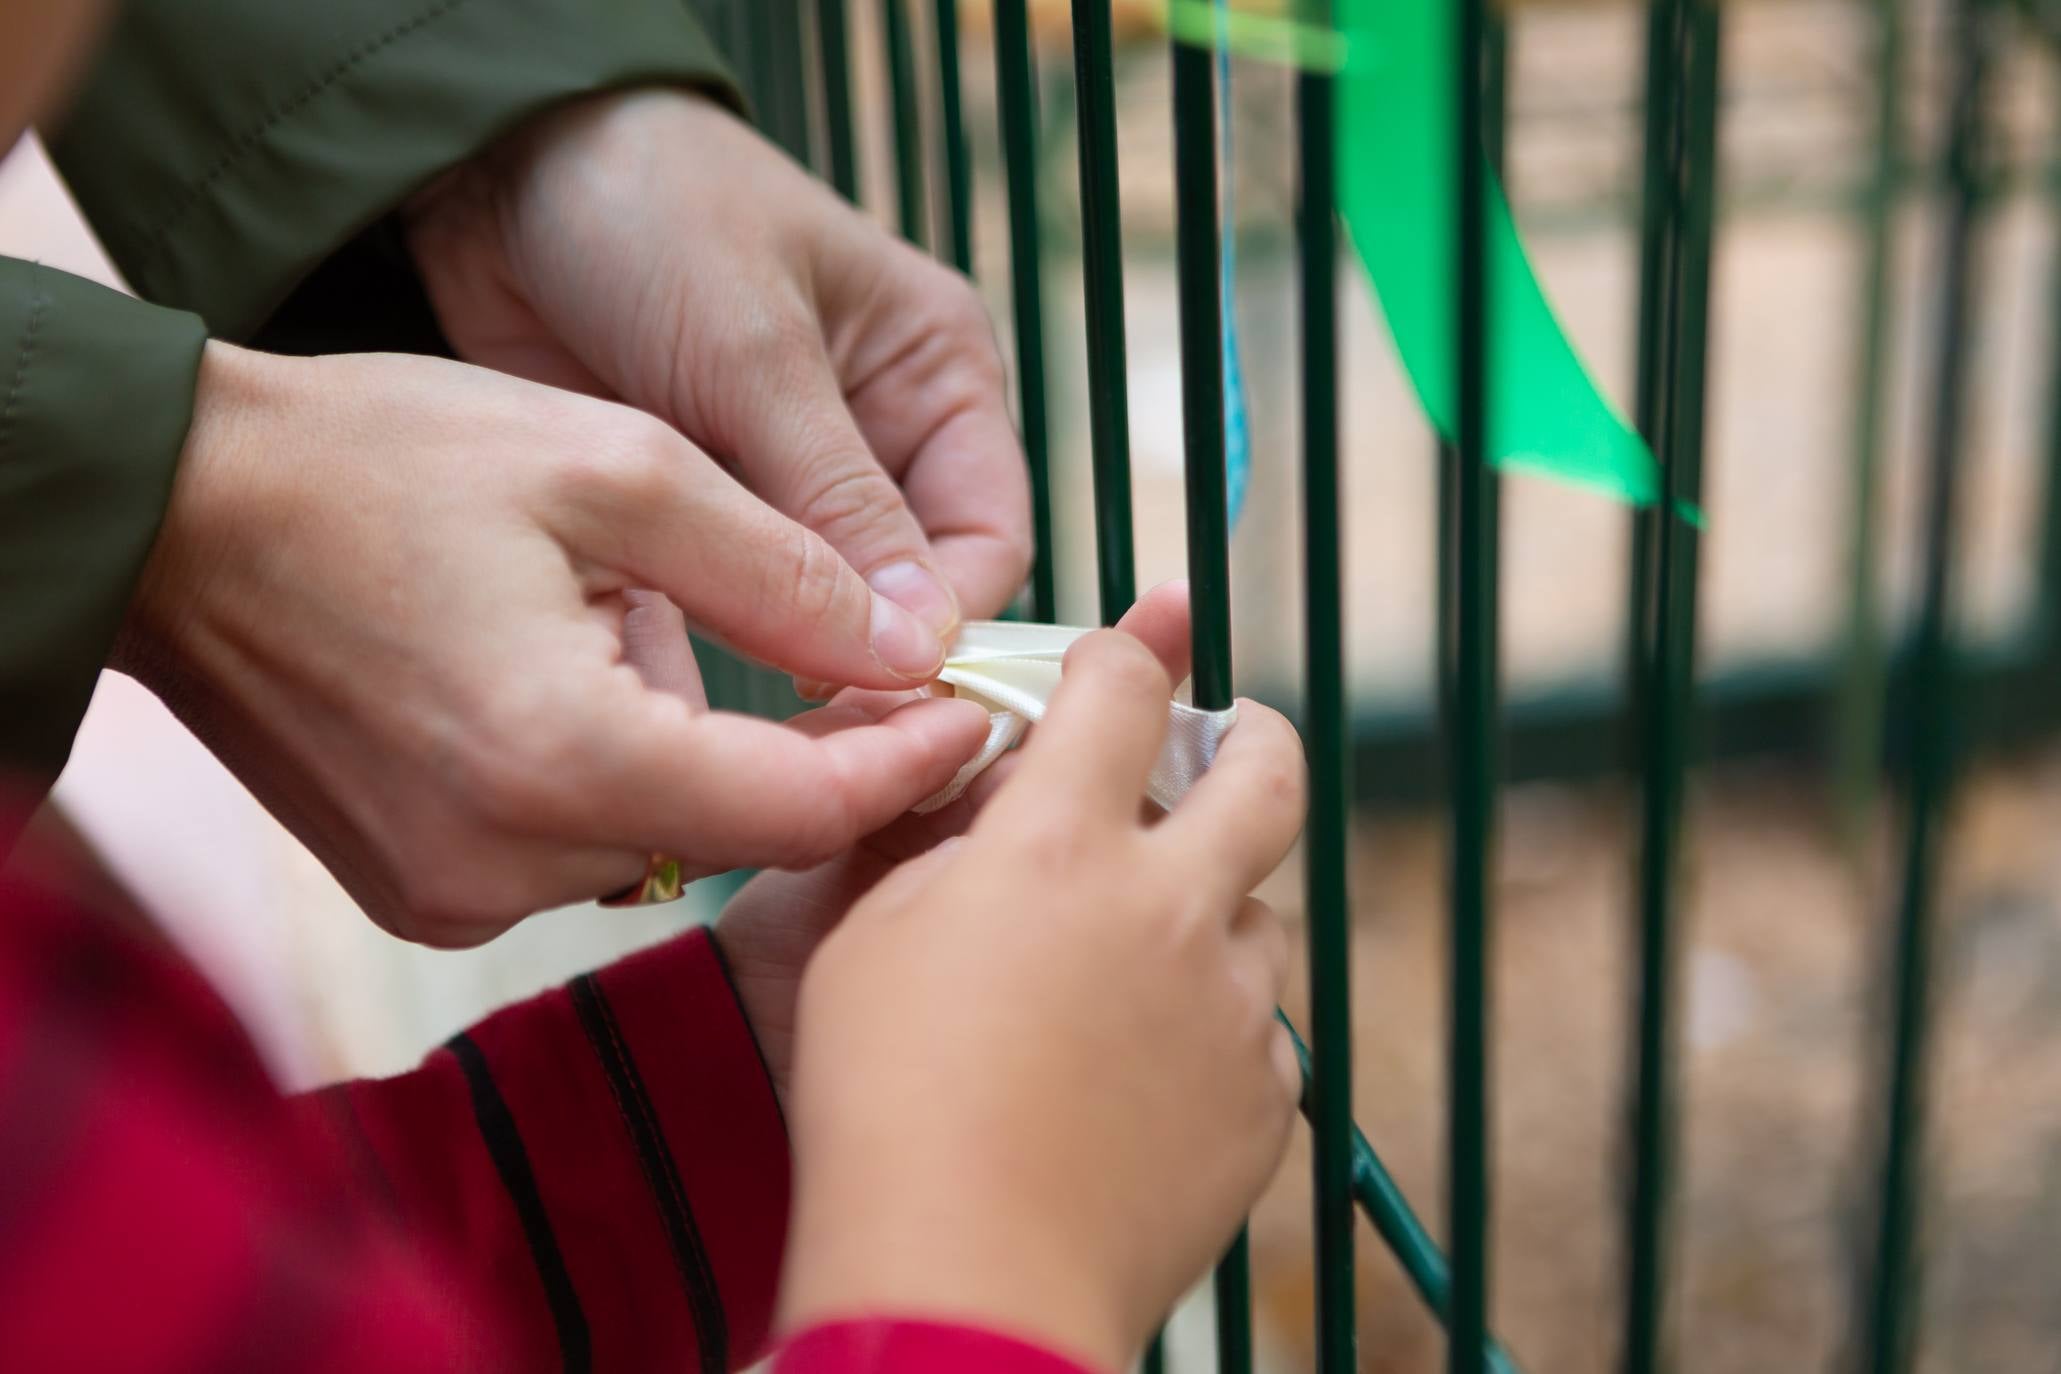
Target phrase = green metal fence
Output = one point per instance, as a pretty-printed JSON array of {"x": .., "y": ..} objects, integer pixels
[{"x": 1912, "y": 703}]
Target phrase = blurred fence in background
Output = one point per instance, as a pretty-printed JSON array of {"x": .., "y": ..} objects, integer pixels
[{"x": 1808, "y": 245}]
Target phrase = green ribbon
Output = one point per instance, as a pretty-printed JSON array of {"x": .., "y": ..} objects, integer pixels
[
  {"x": 1397, "y": 190},
  {"x": 1393, "y": 61}
]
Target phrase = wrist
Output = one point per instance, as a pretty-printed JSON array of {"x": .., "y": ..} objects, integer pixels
[
  {"x": 213, "y": 504},
  {"x": 916, "y": 1250},
  {"x": 578, "y": 130}
]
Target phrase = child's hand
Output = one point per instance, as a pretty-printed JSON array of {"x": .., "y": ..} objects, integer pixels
[
  {"x": 1038, "y": 1079},
  {"x": 771, "y": 928}
]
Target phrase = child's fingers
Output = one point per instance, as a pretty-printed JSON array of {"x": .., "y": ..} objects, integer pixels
[
  {"x": 1236, "y": 824},
  {"x": 1259, "y": 940},
  {"x": 1159, "y": 620},
  {"x": 1101, "y": 732}
]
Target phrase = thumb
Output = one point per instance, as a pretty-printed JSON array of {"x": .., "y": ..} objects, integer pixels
[
  {"x": 790, "y": 436},
  {"x": 661, "y": 513}
]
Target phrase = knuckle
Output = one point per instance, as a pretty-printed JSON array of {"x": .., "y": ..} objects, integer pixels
[
  {"x": 847, "y": 497},
  {"x": 965, "y": 315},
  {"x": 1053, "y": 844},
  {"x": 1280, "y": 781},
  {"x": 629, "y": 461},
  {"x": 772, "y": 332},
  {"x": 818, "y": 831},
  {"x": 952, "y": 348},
  {"x": 809, "y": 580},
  {"x": 1020, "y": 546},
  {"x": 1276, "y": 770}
]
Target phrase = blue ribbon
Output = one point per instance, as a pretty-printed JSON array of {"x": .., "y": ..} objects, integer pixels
[{"x": 1237, "y": 423}]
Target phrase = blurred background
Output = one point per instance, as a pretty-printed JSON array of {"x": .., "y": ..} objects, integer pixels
[{"x": 1787, "y": 888}]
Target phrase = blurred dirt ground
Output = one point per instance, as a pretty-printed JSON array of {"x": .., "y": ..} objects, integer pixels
[{"x": 1781, "y": 1051}]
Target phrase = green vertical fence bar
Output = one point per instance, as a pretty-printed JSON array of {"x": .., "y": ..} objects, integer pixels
[
  {"x": 1927, "y": 756},
  {"x": 1665, "y": 633},
  {"x": 952, "y": 126},
  {"x": 1102, "y": 287},
  {"x": 2050, "y": 522},
  {"x": 1494, "y": 76},
  {"x": 1472, "y": 729},
  {"x": 912, "y": 196},
  {"x": 1015, "y": 92},
  {"x": 1857, "y": 741},
  {"x": 834, "y": 69},
  {"x": 1663, "y": 114},
  {"x": 1102, "y": 276},
  {"x": 1326, "y": 893},
  {"x": 1209, "y": 558}
]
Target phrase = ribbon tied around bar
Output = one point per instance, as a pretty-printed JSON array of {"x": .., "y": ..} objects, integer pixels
[{"x": 1012, "y": 669}]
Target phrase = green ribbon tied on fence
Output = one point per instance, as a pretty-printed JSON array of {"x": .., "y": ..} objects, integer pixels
[
  {"x": 1397, "y": 194},
  {"x": 1393, "y": 61}
]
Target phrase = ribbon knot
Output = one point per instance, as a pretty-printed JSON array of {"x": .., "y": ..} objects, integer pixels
[{"x": 1012, "y": 669}]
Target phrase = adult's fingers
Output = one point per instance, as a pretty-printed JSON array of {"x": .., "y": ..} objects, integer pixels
[
  {"x": 655, "y": 643},
  {"x": 729, "y": 791},
  {"x": 915, "y": 350},
  {"x": 790, "y": 435},
  {"x": 658, "y": 510},
  {"x": 968, "y": 487},
  {"x": 1236, "y": 825},
  {"x": 1101, "y": 732}
]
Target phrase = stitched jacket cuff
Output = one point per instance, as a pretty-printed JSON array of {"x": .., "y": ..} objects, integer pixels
[
  {"x": 224, "y": 148},
  {"x": 96, "y": 392}
]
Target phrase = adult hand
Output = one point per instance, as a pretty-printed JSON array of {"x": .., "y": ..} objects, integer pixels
[
  {"x": 398, "y": 597},
  {"x": 770, "y": 929},
  {"x": 651, "y": 247},
  {"x": 1038, "y": 1078}
]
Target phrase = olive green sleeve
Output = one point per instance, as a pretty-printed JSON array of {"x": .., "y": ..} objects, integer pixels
[
  {"x": 223, "y": 149},
  {"x": 96, "y": 392}
]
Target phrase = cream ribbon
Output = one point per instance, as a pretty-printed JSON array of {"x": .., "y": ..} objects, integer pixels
[{"x": 1012, "y": 669}]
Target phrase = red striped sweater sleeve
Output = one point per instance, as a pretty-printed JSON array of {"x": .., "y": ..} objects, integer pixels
[
  {"x": 607, "y": 1159},
  {"x": 896, "y": 1346},
  {"x": 594, "y": 1179}
]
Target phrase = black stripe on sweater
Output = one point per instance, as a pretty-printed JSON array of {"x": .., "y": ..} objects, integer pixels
[
  {"x": 512, "y": 1162},
  {"x": 711, "y": 1328}
]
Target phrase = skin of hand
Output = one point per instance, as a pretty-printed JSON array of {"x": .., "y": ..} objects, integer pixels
[
  {"x": 398, "y": 596},
  {"x": 651, "y": 247},
  {"x": 773, "y": 925},
  {"x": 42, "y": 43},
  {"x": 1037, "y": 1075}
]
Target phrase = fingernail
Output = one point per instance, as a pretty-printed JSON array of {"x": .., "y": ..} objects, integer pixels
[
  {"x": 915, "y": 588},
  {"x": 808, "y": 689},
  {"x": 904, "y": 645}
]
